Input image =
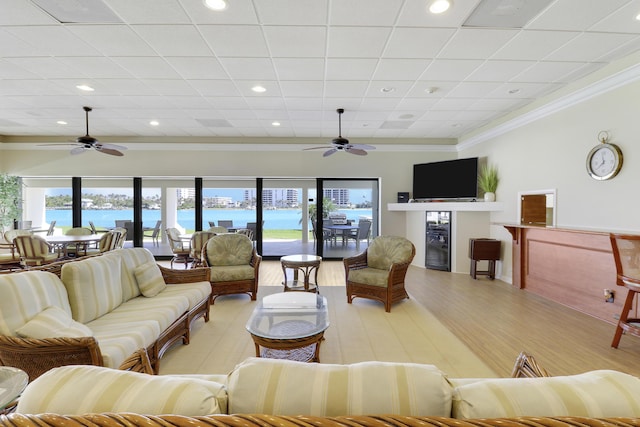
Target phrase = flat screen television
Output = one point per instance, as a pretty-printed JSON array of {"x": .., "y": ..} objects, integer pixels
[{"x": 450, "y": 179}]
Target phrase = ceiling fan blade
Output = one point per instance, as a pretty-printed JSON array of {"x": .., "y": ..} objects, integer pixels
[
  {"x": 78, "y": 150},
  {"x": 57, "y": 143},
  {"x": 356, "y": 151},
  {"x": 329, "y": 152},
  {"x": 314, "y": 148},
  {"x": 363, "y": 146},
  {"x": 108, "y": 151},
  {"x": 111, "y": 146}
]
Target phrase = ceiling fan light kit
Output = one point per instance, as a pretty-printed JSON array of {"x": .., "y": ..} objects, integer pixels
[
  {"x": 342, "y": 144},
  {"x": 88, "y": 142}
]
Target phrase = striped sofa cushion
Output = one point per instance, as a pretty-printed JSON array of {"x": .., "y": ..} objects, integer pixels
[
  {"x": 24, "y": 295},
  {"x": 119, "y": 339},
  {"x": 280, "y": 387},
  {"x": 598, "y": 394},
  {"x": 75, "y": 390},
  {"x": 93, "y": 286},
  {"x": 53, "y": 322},
  {"x": 130, "y": 259}
]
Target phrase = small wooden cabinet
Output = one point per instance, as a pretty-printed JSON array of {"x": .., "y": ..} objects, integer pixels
[{"x": 484, "y": 250}]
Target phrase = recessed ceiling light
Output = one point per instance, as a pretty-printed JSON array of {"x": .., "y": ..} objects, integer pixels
[
  {"x": 275, "y": 124},
  {"x": 439, "y": 6},
  {"x": 431, "y": 89},
  {"x": 216, "y": 4},
  {"x": 61, "y": 122},
  {"x": 86, "y": 88},
  {"x": 388, "y": 89},
  {"x": 154, "y": 123},
  {"x": 638, "y": 17},
  {"x": 258, "y": 89}
]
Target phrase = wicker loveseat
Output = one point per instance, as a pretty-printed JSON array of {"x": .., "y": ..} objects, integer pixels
[
  {"x": 98, "y": 310},
  {"x": 286, "y": 393}
]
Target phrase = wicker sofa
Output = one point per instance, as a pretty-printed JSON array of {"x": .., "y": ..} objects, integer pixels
[
  {"x": 302, "y": 394},
  {"x": 98, "y": 310}
]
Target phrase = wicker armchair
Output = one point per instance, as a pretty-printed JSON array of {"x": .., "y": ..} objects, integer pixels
[
  {"x": 234, "y": 265},
  {"x": 378, "y": 273},
  {"x": 34, "y": 250},
  {"x": 198, "y": 240}
]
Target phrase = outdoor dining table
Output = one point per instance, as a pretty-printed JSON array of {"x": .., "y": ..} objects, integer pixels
[
  {"x": 63, "y": 241},
  {"x": 340, "y": 230}
]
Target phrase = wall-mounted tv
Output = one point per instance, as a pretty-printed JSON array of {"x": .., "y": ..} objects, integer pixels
[{"x": 450, "y": 179}]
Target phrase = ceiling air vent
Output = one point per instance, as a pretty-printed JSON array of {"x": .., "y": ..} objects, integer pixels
[
  {"x": 78, "y": 11},
  {"x": 505, "y": 13}
]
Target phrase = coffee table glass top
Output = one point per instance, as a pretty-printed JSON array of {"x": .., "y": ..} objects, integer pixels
[
  {"x": 12, "y": 383},
  {"x": 289, "y": 316}
]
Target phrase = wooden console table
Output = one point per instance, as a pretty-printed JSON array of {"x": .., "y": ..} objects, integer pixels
[{"x": 569, "y": 266}]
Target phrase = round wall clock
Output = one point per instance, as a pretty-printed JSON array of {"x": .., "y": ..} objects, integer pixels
[{"x": 604, "y": 161}]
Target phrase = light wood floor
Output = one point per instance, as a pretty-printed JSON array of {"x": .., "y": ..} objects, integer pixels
[{"x": 498, "y": 321}]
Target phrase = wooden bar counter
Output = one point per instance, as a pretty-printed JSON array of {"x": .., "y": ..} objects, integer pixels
[{"x": 570, "y": 266}]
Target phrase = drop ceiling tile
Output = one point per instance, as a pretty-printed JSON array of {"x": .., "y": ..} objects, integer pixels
[
  {"x": 283, "y": 12},
  {"x": 581, "y": 16},
  {"x": 112, "y": 40},
  {"x": 173, "y": 40},
  {"x": 348, "y": 89},
  {"x": 548, "y": 72},
  {"x": 147, "y": 67},
  {"x": 432, "y": 89},
  {"x": 197, "y": 67},
  {"x": 589, "y": 47},
  {"x": 11, "y": 70},
  {"x": 497, "y": 104},
  {"x": 292, "y": 88},
  {"x": 416, "y": 103},
  {"x": 350, "y": 69},
  {"x": 378, "y": 104},
  {"x": 417, "y": 42},
  {"x": 96, "y": 67},
  {"x": 149, "y": 11},
  {"x": 497, "y": 71},
  {"x": 248, "y": 68},
  {"x": 215, "y": 88},
  {"x": 302, "y": 104},
  {"x": 534, "y": 45},
  {"x": 357, "y": 42},
  {"x": 523, "y": 90},
  {"x": 235, "y": 41},
  {"x": 227, "y": 102},
  {"x": 400, "y": 69},
  {"x": 20, "y": 12},
  {"x": 476, "y": 43},
  {"x": 364, "y": 12},
  {"x": 272, "y": 88},
  {"x": 239, "y": 12},
  {"x": 450, "y": 69},
  {"x": 52, "y": 41},
  {"x": 388, "y": 89},
  {"x": 170, "y": 87},
  {"x": 270, "y": 103},
  {"x": 296, "y": 41},
  {"x": 299, "y": 68},
  {"x": 123, "y": 87}
]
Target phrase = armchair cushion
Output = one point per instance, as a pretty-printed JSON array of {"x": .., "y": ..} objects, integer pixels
[
  {"x": 387, "y": 250},
  {"x": 597, "y": 394},
  {"x": 229, "y": 249},
  {"x": 53, "y": 322},
  {"x": 75, "y": 390},
  {"x": 232, "y": 273},
  {"x": 150, "y": 279},
  {"x": 370, "y": 276}
]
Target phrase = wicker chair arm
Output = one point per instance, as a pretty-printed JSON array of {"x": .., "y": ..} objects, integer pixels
[
  {"x": 138, "y": 362},
  {"x": 255, "y": 259},
  {"x": 185, "y": 276},
  {"x": 36, "y": 356},
  {"x": 129, "y": 419},
  {"x": 355, "y": 262}
]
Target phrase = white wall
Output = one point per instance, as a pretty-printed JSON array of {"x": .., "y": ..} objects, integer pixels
[{"x": 551, "y": 153}]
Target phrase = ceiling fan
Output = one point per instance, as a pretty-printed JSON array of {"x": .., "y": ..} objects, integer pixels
[
  {"x": 88, "y": 142},
  {"x": 342, "y": 144}
]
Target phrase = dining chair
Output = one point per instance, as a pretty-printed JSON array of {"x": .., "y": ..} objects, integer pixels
[
  {"x": 120, "y": 237},
  {"x": 181, "y": 248},
  {"x": 34, "y": 250},
  {"x": 626, "y": 254},
  {"x": 106, "y": 243},
  {"x": 226, "y": 223},
  {"x": 198, "y": 240},
  {"x": 77, "y": 249},
  {"x": 361, "y": 233},
  {"x": 155, "y": 232}
]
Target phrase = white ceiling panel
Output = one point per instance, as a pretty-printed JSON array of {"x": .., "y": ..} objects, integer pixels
[{"x": 398, "y": 70}]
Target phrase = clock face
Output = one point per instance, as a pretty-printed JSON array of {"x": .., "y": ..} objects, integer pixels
[{"x": 604, "y": 161}]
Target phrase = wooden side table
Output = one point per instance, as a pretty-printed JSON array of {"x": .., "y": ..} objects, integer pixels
[
  {"x": 308, "y": 265},
  {"x": 484, "y": 250}
]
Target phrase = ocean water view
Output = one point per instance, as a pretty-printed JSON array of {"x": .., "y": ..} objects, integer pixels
[{"x": 279, "y": 219}]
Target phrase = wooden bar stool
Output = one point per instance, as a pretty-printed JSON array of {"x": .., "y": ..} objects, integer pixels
[
  {"x": 626, "y": 253},
  {"x": 484, "y": 250}
]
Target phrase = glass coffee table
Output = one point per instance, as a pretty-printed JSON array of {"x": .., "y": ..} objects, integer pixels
[{"x": 289, "y": 325}]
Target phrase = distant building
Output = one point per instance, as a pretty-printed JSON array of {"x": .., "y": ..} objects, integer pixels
[{"x": 339, "y": 196}]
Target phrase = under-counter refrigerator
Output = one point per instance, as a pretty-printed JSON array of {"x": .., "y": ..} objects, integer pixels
[{"x": 438, "y": 250}]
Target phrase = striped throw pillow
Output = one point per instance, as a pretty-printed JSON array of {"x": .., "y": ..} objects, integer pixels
[
  {"x": 150, "y": 280},
  {"x": 596, "y": 394},
  {"x": 280, "y": 387},
  {"x": 53, "y": 322},
  {"x": 76, "y": 390}
]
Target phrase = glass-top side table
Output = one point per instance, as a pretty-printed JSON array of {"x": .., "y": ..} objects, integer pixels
[
  {"x": 307, "y": 265},
  {"x": 289, "y": 325},
  {"x": 13, "y": 381}
]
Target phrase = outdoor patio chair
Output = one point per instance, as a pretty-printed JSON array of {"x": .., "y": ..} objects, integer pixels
[
  {"x": 226, "y": 223},
  {"x": 378, "y": 272},
  {"x": 234, "y": 265},
  {"x": 34, "y": 250},
  {"x": 361, "y": 233},
  {"x": 180, "y": 247},
  {"x": 154, "y": 232}
]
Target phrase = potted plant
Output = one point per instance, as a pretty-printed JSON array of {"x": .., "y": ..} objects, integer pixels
[
  {"x": 488, "y": 182},
  {"x": 10, "y": 206}
]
